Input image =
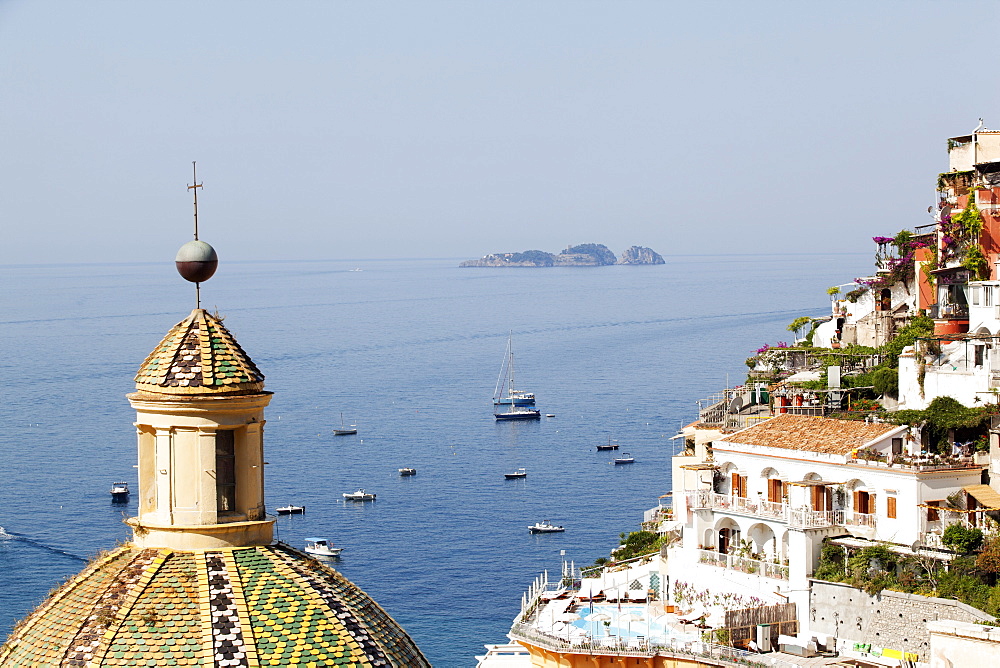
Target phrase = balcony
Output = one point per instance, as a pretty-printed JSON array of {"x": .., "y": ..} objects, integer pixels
[
  {"x": 743, "y": 564},
  {"x": 803, "y": 518},
  {"x": 815, "y": 519},
  {"x": 917, "y": 464}
]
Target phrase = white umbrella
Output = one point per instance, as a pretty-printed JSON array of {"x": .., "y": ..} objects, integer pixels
[
  {"x": 569, "y": 618},
  {"x": 597, "y": 617},
  {"x": 630, "y": 617}
]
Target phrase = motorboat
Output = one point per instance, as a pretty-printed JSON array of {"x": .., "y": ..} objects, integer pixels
[
  {"x": 321, "y": 547},
  {"x": 290, "y": 510},
  {"x": 626, "y": 458},
  {"x": 550, "y": 415},
  {"x": 545, "y": 527},
  {"x": 520, "y": 473},
  {"x": 360, "y": 495},
  {"x": 407, "y": 472},
  {"x": 119, "y": 492},
  {"x": 505, "y": 394},
  {"x": 344, "y": 429},
  {"x": 519, "y": 413},
  {"x": 609, "y": 446}
]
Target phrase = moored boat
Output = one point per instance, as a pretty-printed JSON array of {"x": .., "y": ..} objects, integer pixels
[
  {"x": 344, "y": 429},
  {"x": 321, "y": 547},
  {"x": 360, "y": 495},
  {"x": 626, "y": 458},
  {"x": 505, "y": 394},
  {"x": 407, "y": 472},
  {"x": 609, "y": 446},
  {"x": 290, "y": 510},
  {"x": 518, "y": 413},
  {"x": 514, "y": 475},
  {"x": 545, "y": 527},
  {"x": 119, "y": 492}
]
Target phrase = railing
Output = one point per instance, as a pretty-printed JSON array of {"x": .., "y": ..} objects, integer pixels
[
  {"x": 928, "y": 464},
  {"x": 954, "y": 311},
  {"x": 743, "y": 564},
  {"x": 815, "y": 519},
  {"x": 860, "y": 520},
  {"x": 797, "y": 517},
  {"x": 743, "y": 506},
  {"x": 719, "y": 655}
]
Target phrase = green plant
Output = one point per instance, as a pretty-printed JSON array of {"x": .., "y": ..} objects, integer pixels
[
  {"x": 833, "y": 292},
  {"x": 961, "y": 538},
  {"x": 799, "y": 323},
  {"x": 976, "y": 262}
]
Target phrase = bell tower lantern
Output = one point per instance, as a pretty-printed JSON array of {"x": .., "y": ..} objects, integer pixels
[{"x": 199, "y": 405}]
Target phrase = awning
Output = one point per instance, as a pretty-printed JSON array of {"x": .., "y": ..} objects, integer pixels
[
  {"x": 813, "y": 483},
  {"x": 699, "y": 467},
  {"x": 985, "y": 495}
]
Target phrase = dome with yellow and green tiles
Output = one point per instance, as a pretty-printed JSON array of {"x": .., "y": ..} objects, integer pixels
[
  {"x": 253, "y": 606},
  {"x": 199, "y": 356}
]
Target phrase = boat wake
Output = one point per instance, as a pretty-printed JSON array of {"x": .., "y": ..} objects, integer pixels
[{"x": 7, "y": 535}]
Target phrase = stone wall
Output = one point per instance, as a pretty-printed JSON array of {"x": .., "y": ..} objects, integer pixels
[{"x": 890, "y": 619}]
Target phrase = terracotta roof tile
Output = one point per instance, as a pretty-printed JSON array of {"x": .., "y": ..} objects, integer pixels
[{"x": 811, "y": 433}]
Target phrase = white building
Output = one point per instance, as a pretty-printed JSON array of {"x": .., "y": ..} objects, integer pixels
[
  {"x": 965, "y": 367},
  {"x": 755, "y": 515}
]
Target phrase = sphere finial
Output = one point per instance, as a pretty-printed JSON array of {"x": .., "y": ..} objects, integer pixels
[{"x": 196, "y": 261}]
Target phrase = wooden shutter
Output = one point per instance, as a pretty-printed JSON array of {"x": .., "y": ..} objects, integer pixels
[
  {"x": 932, "y": 513},
  {"x": 734, "y": 486},
  {"x": 870, "y": 504},
  {"x": 857, "y": 502},
  {"x": 890, "y": 507}
]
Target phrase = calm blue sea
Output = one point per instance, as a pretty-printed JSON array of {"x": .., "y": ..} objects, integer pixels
[{"x": 409, "y": 350}]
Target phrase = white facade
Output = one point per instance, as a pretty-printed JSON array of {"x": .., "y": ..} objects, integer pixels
[
  {"x": 967, "y": 369},
  {"x": 754, "y": 519}
]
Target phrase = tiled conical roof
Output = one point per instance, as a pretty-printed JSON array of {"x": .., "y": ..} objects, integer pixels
[
  {"x": 256, "y": 606},
  {"x": 199, "y": 356}
]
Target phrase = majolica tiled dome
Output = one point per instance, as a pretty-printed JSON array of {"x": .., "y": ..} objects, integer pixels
[
  {"x": 256, "y": 606},
  {"x": 199, "y": 357}
]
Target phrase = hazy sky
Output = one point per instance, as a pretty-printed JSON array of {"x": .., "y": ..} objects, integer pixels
[{"x": 455, "y": 129}]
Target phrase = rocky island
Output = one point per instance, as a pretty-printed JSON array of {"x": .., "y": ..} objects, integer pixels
[{"x": 584, "y": 255}]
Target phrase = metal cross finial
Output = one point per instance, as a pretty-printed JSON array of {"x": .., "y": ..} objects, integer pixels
[{"x": 194, "y": 169}]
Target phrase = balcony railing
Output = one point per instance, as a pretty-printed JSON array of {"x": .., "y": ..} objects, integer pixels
[
  {"x": 918, "y": 463},
  {"x": 859, "y": 520},
  {"x": 815, "y": 519},
  {"x": 672, "y": 647},
  {"x": 797, "y": 517},
  {"x": 743, "y": 564}
]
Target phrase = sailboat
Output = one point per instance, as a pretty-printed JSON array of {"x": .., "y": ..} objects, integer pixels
[
  {"x": 513, "y": 397},
  {"x": 609, "y": 446},
  {"x": 345, "y": 430},
  {"x": 514, "y": 411}
]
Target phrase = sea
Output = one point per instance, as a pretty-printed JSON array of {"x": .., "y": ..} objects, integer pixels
[{"x": 409, "y": 351}]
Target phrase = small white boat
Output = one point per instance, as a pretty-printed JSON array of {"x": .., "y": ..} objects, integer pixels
[
  {"x": 290, "y": 510},
  {"x": 626, "y": 458},
  {"x": 407, "y": 472},
  {"x": 320, "y": 547},
  {"x": 545, "y": 527},
  {"x": 119, "y": 492},
  {"x": 360, "y": 495},
  {"x": 520, "y": 473},
  {"x": 550, "y": 415}
]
